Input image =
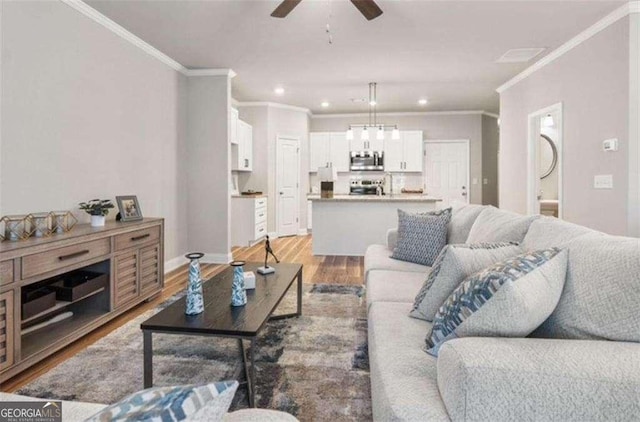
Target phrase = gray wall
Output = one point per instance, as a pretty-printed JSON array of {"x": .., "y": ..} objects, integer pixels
[
  {"x": 435, "y": 127},
  {"x": 209, "y": 171},
  {"x": 86, "y": 114},
  {"x": 592, "y": 82},
  {"x": 490, "y": 147},
  {"x": 268, "y": 123},
  {"x": 634, "y": 126}
]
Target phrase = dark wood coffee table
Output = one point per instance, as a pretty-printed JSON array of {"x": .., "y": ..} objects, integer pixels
[{"x": 220, "y": 319}]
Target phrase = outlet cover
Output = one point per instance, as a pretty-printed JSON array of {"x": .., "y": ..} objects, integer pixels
[{"x": 603, "y": 181}]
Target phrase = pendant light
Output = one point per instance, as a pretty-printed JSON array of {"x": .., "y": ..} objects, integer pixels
[
  {"x": 349, "y": 134},
  {"x": 364, "y": 135},
  {"x": 380, "y": 134},
  {"x": 395, "y": 134}
]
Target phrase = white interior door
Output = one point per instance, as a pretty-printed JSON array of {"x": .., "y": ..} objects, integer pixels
[
  {"x": 446, "y": 171},
  {"x": 287, "y": 175}
]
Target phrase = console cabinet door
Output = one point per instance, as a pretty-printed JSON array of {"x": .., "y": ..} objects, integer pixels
[
  {"x": 150, "y": 269},
  {"x": 6, "y": 329},
  {"x": 125, "y": 278}
]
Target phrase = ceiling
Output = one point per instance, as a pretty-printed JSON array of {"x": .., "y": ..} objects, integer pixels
[{"x": 441, "y": 50}]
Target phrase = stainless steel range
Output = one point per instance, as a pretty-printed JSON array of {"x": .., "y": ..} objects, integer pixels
[{"x": 359, "y": 186}]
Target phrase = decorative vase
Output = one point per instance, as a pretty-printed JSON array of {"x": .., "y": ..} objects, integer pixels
[
  {"x": 195, "y": 303},
  {"x": 97, "y": 220},
  {"x": 238, "y": 292}
]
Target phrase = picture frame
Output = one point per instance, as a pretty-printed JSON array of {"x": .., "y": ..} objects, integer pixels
[{"x": 129, "y": 208}]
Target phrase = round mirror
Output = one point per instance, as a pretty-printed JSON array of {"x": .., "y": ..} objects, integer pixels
[{"x": 548, "y": 156}]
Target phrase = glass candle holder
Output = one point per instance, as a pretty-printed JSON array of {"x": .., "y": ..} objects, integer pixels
[
  {"x": 63, "y": 221},
  {"x": 18, "y": 227},
  {"x": 43, "y": 223}
]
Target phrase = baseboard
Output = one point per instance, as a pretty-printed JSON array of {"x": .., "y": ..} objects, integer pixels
[
  {"x": 216, "y": 258},
  {"x": 273, "y": 235},
  {"x": 174, "y": 263},
  {"x": 303, "y": 232}
]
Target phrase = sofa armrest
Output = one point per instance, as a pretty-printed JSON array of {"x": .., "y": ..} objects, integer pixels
[
  {"x": 392, "y": 238},
  {"x": 506, "y": 379}
]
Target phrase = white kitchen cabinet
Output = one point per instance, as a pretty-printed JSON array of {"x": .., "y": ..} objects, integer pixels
[
  {"x": 413, "y": 155},
  {"x": 242, "y": 152},
  {"x": 233, "y": 126},
  {"x": 248, "y": 220},
  {"x": 404, "y": 154},
  {"x": 328, "y": 149},
  {"x": 372, "y": 144}
]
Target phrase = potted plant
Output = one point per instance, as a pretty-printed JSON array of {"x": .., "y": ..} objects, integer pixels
[{"x": 97, "y": 209}]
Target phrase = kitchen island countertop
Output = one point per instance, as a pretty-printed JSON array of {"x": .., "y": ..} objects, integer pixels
[{"x": 403, "y": 197}]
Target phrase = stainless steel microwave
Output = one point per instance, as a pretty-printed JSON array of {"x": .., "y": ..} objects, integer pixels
[{"x": 367, "y": 161}]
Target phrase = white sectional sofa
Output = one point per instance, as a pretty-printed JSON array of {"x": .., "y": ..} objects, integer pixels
[{"x": 588, "y": 369}]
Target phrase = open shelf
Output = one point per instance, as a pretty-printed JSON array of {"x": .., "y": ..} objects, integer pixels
[
  {"x": 41, "y": 339},
  {"x": 60, "y": 304}
]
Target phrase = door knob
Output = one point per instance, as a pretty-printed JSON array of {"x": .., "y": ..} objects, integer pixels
[{"x": 281, "y": 193}]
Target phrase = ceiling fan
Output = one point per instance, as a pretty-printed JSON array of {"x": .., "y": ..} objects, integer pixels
[{"x": 368, "y": 8}]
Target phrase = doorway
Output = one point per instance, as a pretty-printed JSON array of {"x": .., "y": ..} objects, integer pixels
[
  {"x": 287, "y": 185},
  {"x": 446, "y": 170},
  {"x": 544, "y": 169}
]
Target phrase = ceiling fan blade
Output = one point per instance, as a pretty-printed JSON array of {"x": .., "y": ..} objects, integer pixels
[
  {"x": 285, "y": 8},
  {"x": 368, "y": 8}
]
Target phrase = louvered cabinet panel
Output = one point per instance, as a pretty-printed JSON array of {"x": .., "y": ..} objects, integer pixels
[
  {"x": 150, "y": 269},
  {"x": 125, "y": 278},
  {"x": 6, "y": 329}
]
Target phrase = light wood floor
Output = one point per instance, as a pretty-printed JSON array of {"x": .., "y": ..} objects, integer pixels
[{"x": 316, "y": 269}]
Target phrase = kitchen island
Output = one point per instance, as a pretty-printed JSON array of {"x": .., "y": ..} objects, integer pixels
[{"x": 348, "y": 224}]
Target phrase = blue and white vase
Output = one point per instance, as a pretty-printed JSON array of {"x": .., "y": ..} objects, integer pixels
[
  {"x": 195, "y": 303},
  {"x": 238, "y": 292}
]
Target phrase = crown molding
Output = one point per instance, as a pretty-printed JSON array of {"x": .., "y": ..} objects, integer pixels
[
  {"x": 406, "y": 113},
  {"x": 610, "y": 19},
  {"x": 210, "y": 72},
  {"x": 272, "y": 105},
  {"x": 98, "y": 17}
]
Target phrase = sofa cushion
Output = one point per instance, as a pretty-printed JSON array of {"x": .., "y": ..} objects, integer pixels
[
  {"x": 601, "y": 296},
  {"x": 403, "y": 377},
  {"x": 515, "y": 379},
  {"x": 393, "y": 286},
  {"x": 547, "y": 232},
  {"x": 453, "y": 265},
  {"x": 207, "y": 402},
  {"x": 508, "y": 299},
  {"x": 378, "y": 257},
  {"x": 494, "y": 225},
  {"x": 258, "y": 415},
  {"x": 421, "y": 236},
  {"x": 72, "y": 411},
  {"x": 462, "y": 219}
]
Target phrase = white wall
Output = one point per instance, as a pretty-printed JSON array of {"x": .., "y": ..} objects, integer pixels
[
  {"x": 592, "y": 82},
  {"x": 209, "y": 164},
  {"x": 86, "y": 114},
  {"x": 433, "y": 126},
  {"x": 270, "y": 121},
  {"x": 634, "y": 125}
]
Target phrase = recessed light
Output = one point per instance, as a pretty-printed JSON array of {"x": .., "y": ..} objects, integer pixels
[
  {"x": 373, "y": 103},
  {"x": 423, "y": 101},
  {"x": 278, "y": 90},
  {"x": 325, "y": 104}
]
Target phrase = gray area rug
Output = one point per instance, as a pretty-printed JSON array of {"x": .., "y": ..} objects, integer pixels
[{"x": 315, "y": 367}]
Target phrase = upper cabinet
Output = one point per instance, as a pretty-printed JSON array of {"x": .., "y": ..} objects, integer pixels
[
  {"x": 241, "y": 138},
  {"x": 328, "y": 149},
  {"x": 372, "y": 144},
  {"x": 404, "y": 154}
]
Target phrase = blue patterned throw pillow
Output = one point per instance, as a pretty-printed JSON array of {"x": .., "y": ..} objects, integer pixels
[
  {"x": 508, "y": 299},
  {"x": 208, "y": 402},
  {"x": 451, "y": 267},
  {"x": 421, "y": 236}
]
